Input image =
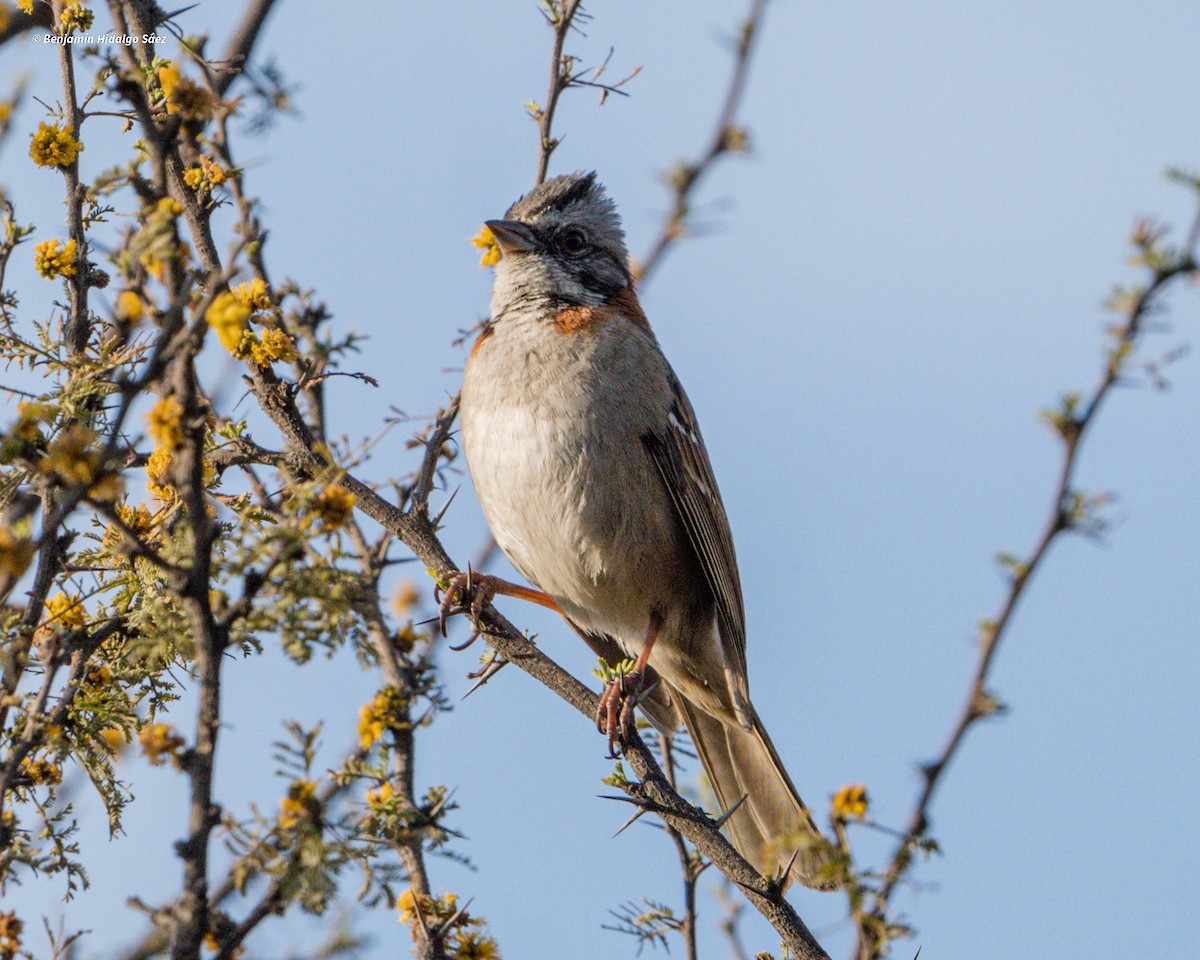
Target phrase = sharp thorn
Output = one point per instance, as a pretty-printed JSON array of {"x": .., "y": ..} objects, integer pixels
[
  {"x": 643, "y": 694},
  {"x": 619, "y": 796},
  {"x": 419, "y": 915},
  {"x": 788, "y": 869},
  {"x": 437, "y": 807},
  {"x": 446, "y": 506},
  {"x": 482, "y": 681},
  {"x": 174, "y": 13},
  {"x": 721, "y": 820},
  {"x": 449, "y": 924},
  {"x": 494, "y": 663},
  {"x": 631, "y": 821}
]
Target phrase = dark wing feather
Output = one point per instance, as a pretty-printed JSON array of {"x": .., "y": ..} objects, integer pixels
[{"x": 678, "y": 453}]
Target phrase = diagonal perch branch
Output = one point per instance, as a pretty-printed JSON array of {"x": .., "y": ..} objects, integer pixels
[{"x": 415, "y": 529}]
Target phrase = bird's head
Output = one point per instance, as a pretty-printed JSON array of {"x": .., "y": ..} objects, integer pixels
[{"x": 562, "y": 241}]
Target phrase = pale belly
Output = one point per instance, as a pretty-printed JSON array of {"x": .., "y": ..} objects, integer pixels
[{"x": 575, "y": 502}]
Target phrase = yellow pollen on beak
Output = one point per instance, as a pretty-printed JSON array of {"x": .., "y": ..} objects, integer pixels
[{"x": 485, "y": 240}]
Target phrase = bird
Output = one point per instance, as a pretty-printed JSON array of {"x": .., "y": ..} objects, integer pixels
[{"x": 592, "y": 474}]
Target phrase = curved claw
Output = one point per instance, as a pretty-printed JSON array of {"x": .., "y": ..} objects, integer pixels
[
  {"x": 614, "y": 711},
  {"x": 480, "y": 588}
]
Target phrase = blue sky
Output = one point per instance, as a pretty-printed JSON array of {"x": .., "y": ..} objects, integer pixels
[{"x": 908, "y": 266}]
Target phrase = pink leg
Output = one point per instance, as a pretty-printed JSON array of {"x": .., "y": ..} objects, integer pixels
[
  {"x": 614, "y": 710},
  {"x": 480, "y": 588}
]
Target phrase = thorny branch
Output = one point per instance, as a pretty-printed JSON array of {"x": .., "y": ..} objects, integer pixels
[
  {"x": 688, "y": 865},
  {"x": 560, "y": 14},
  {"x": 241, "y": 44},
  {"x": 416, "y": 531},
  {"x": 1069, "y": 512},
  {"x": 726, "y": 137}
]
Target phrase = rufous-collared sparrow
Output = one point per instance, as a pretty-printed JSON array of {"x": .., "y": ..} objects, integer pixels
[{"x": 590, "y": 468}]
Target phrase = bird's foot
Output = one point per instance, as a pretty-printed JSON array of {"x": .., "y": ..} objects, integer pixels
[
  {"x": 478, "y": 588},
  {"x": 614, "y": 711}
]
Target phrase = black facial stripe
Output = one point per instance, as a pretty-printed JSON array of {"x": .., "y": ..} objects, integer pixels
[
  {"x": 621, "y": 265},
  {"x": 597, "y": 284},
  {"x": 592, "y": 279}
]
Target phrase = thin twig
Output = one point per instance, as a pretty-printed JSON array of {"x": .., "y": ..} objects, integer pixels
[
  {"x": 687, "y": 175},
  {"x": 729, "y": 925},
  {"x": 562, "y": 13},
  {"x": 980, "y": 703},
  {"x": 686, "y": 862},
  {"x": 237, "y": 51}
]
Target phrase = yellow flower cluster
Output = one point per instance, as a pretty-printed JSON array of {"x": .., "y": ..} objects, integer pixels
[
  {"x": 184, "y": 96},
  {"x": 211, "y": 943},
  {"x": 159, "y": 741},
  {"x": 850, "y": 803},
  {"x": 73, "y": 458},
  {"x": 273, "y": 344},
  {"x": 129, "y": 307},
  {"x": 75, "y": 16},
  {"x": 10, "y": 926},
  {"x": 229, "y": 315},
  {"x": 253, "y": 293},
  {"x": 334, "y": 506},
  {"x": 301, "y": 803},
  {"x": 41, "y": 771},
  {"x": 405, "y": 638},
  {"x": 386, "y": 711},
  {"x": 99, "y": 676},
  {"x": 30, "y": 417},
  {"x": 461, "y": 941},
  {"x": 156, "y": 265},
  {"x": 114, "y": 738},
  {"x": 54, "y": 146},
  {"x": 164, "y": 423},
  {"x": 138, "y": 519},
  {"x": 381, "y": 795},
  {"x": 157, "y": 468},
  {"x": 206, "y": 176},
  {"x": 229, "y": 318},
  {"x": 485, "y": 240},
  {"x": 25, "y": 6},
  {"x": 158, "y": 240},
  {"x": 407, "y": 596},
  {"x": 53, "y": 258},
  {"x": 16, "y": 553},
  {"x": 65, "y": 611},
  {"x": 473, "y": 945}
]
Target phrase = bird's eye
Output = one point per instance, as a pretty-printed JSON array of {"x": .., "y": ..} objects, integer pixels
[{"x": 572, "y": 241}]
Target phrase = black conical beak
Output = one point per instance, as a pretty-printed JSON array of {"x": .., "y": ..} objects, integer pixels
[{"x": 512, "y": 237}]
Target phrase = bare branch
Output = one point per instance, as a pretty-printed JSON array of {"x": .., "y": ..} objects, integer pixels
[
  {"x": 561, "y": 15},
  {"x": 241, "y": 44},
  {"x": 1072, "y": 423},
  {"x": 725, "y": 138}
]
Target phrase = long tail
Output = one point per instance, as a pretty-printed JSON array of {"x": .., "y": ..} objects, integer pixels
[{"x": 773, "y": 823}]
